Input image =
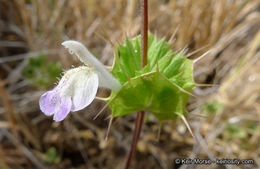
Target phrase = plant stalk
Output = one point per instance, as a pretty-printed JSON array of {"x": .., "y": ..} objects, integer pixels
[
  {"x": 140, "y": 115},
  {"x": 144, "y": 31},
  {"x": 136, "y": 135}
]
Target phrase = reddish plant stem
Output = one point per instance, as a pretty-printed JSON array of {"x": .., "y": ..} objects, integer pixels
[
  {"x": 140, "y": 115},
  {"x": 144, "y": 31},
  {"x": 136, "y": 135}
]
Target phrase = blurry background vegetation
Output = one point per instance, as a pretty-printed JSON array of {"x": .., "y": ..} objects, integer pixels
[{"x": 225, "y": 117}]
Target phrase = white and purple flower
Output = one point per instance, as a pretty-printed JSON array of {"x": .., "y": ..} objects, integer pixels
[{"x": 78, "y": 87}]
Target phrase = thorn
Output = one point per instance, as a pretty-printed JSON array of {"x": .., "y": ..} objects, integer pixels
[
  {"x": 182, "y": 49},
  {"x": 180, "y": 88},
  {"x": 101, "y": 98},
  {"x": 198, "y": 50},
  {"x": 187, "y": 125},
  {"x": 183, "y": 90},
  {"x": 174, "y": 33},
  {"x": 101, "y": 111},
  {"x": 205, "y": 85},
  {"x": 185, "y": 50},
  {"x": 108, "y": 117},
  {"x": 199, "y": 115},
  {"x": 109, "y": 128},
  {"x": 103, "y": 108},
  {"x": 202, "y": 56}
]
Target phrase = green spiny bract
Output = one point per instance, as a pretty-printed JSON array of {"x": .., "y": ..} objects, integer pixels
[{"x": 162, "y": 87}]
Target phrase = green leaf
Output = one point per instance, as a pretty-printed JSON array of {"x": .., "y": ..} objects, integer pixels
[
  {"x": 29, "y": 72},
  {"x": 253, "y": 126},
  {"x": 233, "y": 130},
  {"x": 40, "y": 72},
  {"x": 37, "y": 61},
  {"x": 51, "y": 156},
  {"x": 212, "y": 107}
]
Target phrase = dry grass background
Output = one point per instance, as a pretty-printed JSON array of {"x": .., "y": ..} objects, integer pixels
[{"x": 227, "y": 30}]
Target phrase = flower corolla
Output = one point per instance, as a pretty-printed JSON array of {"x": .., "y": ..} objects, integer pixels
[{"x": 78, "y": 86}]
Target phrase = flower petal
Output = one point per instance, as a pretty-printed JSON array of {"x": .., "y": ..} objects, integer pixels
[
  {"x": 85, "y": 89},
  {"x": 63, "y": 109},
  {"x": 108, "y": 80},
  {"x": 48, "y": 102}
]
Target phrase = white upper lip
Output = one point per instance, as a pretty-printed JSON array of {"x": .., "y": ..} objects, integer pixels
[{"x": 106, "y": 79}]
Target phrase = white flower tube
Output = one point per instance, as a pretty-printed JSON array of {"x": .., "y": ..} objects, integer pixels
[{"x": 106, "y": 79}]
